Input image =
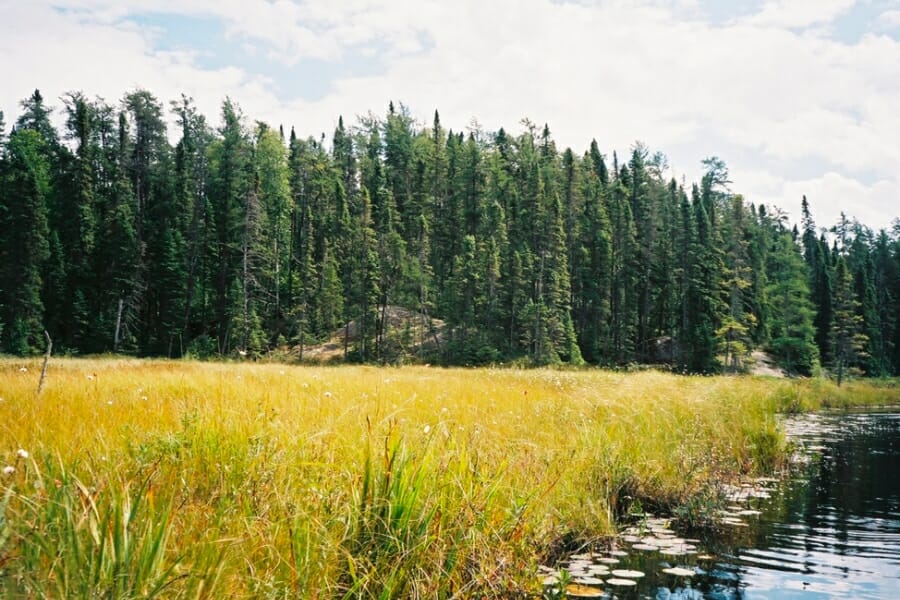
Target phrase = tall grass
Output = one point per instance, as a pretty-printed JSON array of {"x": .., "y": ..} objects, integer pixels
[{"x": 177, "y": 479}]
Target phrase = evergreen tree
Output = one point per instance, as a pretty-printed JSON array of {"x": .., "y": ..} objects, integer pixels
[
  {"x": 792, "y": 330},
  {"x": 76, "y": 222},
  {"x": 623, "y": 301},
  {"x": 739, "y": 321},
  {"x": 847, "y": 338},
  {"x": 592, "y": 266},
  {"x": 273, "y": 249},
  {"x": 234, "y": 224},
  {"x": 24, "y": 245},
  {"x": 817, "y": 257},
  {"x": 117, "y": 259},
  {"x": 886, "y": 283},
  {"x": 114, "y": 240},
  {"x": 192, "y": 174}
]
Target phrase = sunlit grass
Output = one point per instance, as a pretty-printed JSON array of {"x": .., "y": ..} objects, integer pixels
[{"x": 181, "y": 479}]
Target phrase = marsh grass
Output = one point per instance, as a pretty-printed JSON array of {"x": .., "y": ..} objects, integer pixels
[{"x": 180, "y": 479}]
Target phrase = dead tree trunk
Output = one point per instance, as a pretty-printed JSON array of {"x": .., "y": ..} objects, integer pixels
[{"x": 46, "y": 360}]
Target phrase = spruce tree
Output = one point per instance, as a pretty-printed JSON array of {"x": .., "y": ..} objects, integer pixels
[
  {"x": 848, "y": 342},
  {"x": 76, "y": 222},
  {"x": 592, "y": 266},
  {"x": 792, "y": 331},
  {"x": 233, "y": 193},
  {"x": 25, "y": 247}
]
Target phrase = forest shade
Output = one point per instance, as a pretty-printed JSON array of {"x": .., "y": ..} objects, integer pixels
[{"x": 240, "y": 239}]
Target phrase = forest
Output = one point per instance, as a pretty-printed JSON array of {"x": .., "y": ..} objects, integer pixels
[{"x": 243, "y": 240}]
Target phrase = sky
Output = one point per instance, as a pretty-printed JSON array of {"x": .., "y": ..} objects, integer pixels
[{"x": 796, "y": 96}]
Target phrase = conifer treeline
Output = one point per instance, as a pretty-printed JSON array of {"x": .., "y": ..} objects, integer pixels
[{"x": 237, "y": 240}]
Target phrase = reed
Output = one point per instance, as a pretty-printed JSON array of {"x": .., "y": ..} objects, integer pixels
[{"x": 184, "y": 479}]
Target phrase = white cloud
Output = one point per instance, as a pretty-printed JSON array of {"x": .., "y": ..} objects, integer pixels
[
  {"x": 833, "y": 193},
  {"x": 763, "y": 86},
  {"x": 889, "y": 19},
  {"x": 799, "y": 13},
  {"x": 829, "y": 195}
]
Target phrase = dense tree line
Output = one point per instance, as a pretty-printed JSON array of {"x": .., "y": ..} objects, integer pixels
[{"x": 239, "y": 240}]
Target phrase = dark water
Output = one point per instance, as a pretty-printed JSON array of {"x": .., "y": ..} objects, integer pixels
[{"x": 830, "y": 531}]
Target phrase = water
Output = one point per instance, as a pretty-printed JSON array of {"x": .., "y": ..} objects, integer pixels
[{"x": 832, "y": 530}]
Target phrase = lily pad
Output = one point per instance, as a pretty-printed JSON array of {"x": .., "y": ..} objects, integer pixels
[
  {"x": 628, "y": 573},
  {"x": 574, "y": 590},
  {"x": 645, "y": 547},
  {"x": 621, "y": 582},
  {"x": 679, "y": 572},
  {"x": 588, "y": 580}
]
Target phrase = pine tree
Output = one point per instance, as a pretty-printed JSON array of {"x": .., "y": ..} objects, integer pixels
[
  {"x": 24, "y": 244},
  {"x": 114, "y": 240},
  {"x": 643, "y": 213},
  {"x": 76, "y": 222},
  {"x": 817, "y": 257},
  {"x": 623, "y": 272},
  {"x": 364, "y": 293},
  {"x": 36, "y": 117},
  {"x": 886, "y": 282},
  {"x": 792, "y": 330},
  {"x": 192, "y": 174},
  {"x": 398, "y": 163},
  {"x": 118, "y": 258},
  {"x": 734, "y": 333},
  {"x": 273, "y": 175},
  {"x": 592, "y": 266},
  {"x": 846, "y": 336},
  {"x": 232, "y": 191},
  {"x": 704, "y": 302}
]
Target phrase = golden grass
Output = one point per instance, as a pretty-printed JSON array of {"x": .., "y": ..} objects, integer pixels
[{"x": 267, "y": 480}]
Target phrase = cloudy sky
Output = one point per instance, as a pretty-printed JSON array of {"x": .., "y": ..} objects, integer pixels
[{"x": 797, "y": 96}]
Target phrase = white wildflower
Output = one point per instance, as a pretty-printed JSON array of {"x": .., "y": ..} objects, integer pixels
[
  {"x": 327, "y": 394},
  {"x": 9, "y": 470},
  {"x": 143, "y": 397},
  {"x": 23, "y": 369},
  {"x": 22, "y": 453},
  {"x": 427, "y": 429}
]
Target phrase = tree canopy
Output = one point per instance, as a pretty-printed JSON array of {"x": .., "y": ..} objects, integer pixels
[{"x": 237, "y": 240}]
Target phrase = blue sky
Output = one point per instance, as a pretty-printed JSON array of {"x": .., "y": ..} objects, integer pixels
[{"x": 797, "y": 96}]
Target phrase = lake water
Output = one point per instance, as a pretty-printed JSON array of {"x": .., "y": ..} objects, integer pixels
[{"x": 832, "y": 530}]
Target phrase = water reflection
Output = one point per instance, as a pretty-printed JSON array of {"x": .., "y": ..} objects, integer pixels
[{"x": 833, "y": 530}]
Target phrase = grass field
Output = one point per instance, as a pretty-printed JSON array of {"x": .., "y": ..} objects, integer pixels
[{"x": 211, "y": 480}]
